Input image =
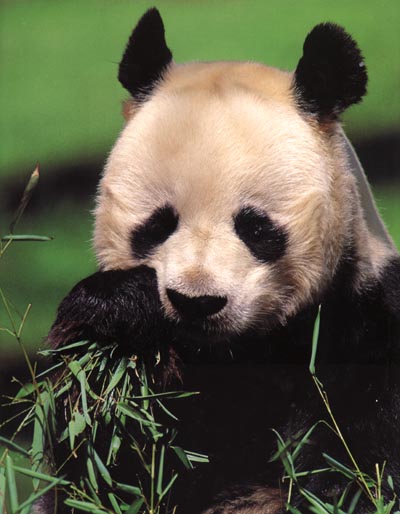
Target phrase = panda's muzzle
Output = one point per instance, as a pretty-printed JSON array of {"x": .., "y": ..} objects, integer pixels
[{"x": 195, "y": 307}]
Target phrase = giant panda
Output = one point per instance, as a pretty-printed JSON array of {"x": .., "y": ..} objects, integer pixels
[{"x": 231, "y": 207}]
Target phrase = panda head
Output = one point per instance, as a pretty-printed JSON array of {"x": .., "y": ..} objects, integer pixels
[{"x": 231, "y": 181}]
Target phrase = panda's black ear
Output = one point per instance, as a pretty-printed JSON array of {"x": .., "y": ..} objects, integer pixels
[
  {"x": 331, "y": 74},
  {"x": 146, "y": 56}
]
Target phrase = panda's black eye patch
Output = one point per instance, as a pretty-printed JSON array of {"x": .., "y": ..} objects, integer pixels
[
  {"x": 161, "y": 224},
  {"x": 265, "y": 240}
]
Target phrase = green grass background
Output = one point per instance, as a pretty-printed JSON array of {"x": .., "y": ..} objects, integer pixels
[
  {"x": 60, "y": 99},
  {"x": 60, "y": 104}
]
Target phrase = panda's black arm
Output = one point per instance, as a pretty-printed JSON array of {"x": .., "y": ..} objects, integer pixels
[{"x": 120, "y": 306}]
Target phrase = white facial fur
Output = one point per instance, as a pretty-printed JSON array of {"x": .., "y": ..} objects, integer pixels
[{"x": 212, "y": 139}]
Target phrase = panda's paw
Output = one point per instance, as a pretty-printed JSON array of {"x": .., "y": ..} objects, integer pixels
[
  {"x": 120, "y": 306},
  {"x": 259, "y": 500}
]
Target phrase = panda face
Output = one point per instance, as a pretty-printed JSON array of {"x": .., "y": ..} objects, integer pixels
[{"x": 229, "y": 193}]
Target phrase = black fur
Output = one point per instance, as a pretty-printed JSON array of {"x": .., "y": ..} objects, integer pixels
[
  {"x": 257, "y": 381},
  {"x": 161, "y": 224},
  {"x": 265, "y": 240},
  {"x": 111, "y": 306},
  {"x": 146, "y": 56},
  {"x": 391, "y": 285},
  {"x": 331, "y": 74}
]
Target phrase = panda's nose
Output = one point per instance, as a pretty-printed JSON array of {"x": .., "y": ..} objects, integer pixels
[{"x": 196, "y": 307}]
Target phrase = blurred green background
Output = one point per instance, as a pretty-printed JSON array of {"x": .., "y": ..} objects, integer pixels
[{"x": 60, "y": 104}]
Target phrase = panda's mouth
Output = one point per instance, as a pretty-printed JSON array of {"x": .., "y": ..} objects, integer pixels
[{"x": 204, "y": 331}]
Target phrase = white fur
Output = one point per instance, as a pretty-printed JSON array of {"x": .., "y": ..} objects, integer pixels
[{"x": 213, "y": 138}]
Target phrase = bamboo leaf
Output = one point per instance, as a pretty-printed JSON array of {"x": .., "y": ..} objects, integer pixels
[
  {"x": 170, "y": 484},
  {"x": 75, "y": 427},
  {"x": 26, "y": 196},
  {"x": 13, "y": 446},
  {"x": 305, "y": 439},
  {"x": 196, "y": 457},
  {"x": 39, "y": 429},
  {"x": 26, "y": 237},
  {"x": 354, "y": 501},
  {"x": 63, "y": 349},
  {"x": 80, "y": 423},
  {"x": 40, "y": 476},
  {"x": 167, "y": 395},
  {"x": 92, "y": 473},
  {"x": 2, "y": 491},
  {"x": 180, "y": 453},
  {"x": 119, "y": 372},
  {"x": 85, "y": 506},
  {"x": 12, "y": 485},
  {"x": 114, "y": 503},
  {"x": 315, "y": 342},
  {"x": 349, "y": 473},
  {"x": 26, "y": 390},
  {"x": 134, "y": 414},
  {"x": 80, "y": 375},
  {"x": 102, "y": 469},
  {"x": 160, "y": 470},
  {"x": 129, "y": 488},
  {"x": 135, "y": 506}
]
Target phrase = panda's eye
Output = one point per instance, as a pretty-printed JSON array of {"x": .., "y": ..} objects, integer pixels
[
  {"x": 161, "y": 224},
  {"x": 265, "y": 240}
]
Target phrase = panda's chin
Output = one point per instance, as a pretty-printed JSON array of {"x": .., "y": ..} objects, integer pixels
[{"x": 204, "y": 332}]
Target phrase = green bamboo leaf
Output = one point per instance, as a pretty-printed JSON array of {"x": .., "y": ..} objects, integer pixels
[
  {"x": 306, "y": 438},
  {"x": 39, "y": 429},
  {"x": 67, "y": 385},
  {"x": 92, "y": 492},
  {"x": 2, "y": 490},
  {"x": 79, "y": 422},
  {"x": 102, "y": 469},
  {"x": 92, "y": 473},
  {"x": 319, "y": 505},
  {"x": 40, "y": 476},
  {"x": 75, "y": 368},
  {"x": 129, "y": 488},
  {"x": 13, "y": 446},
  {"x": 196, "y": 457},
  {"x": 167, "y": 395},
  {"x": 283, "y": 454},
  {"x": 114, "y": 503},
  {"x": 62, "y": 349},
  {"x": 134, "y": 414},
  {"x": 315, "y": 341},
  {"x": 167, "y": 411},
  {"x": 135, "y": 506},
  {"x": 26, "y": 390},
  {"x": 85, "y": 506},
  {"x": 12, "y": 485},
  {"x": 114, "y": 447},
  {"x": 181, "y": 454},
  {"x": 354, "y": 502},
  {"x": 80, "y": 375},
  {"x": 76, "y": 426},
  {"x": 160, "y": 470},
  {"x": 347, "y": 472},
  {"x": 26, "y": 237},
  {"x": 293, "y": 510},
  {"x": 26, "y": 196},
  {"x": 119, "y": 372},
  {"x": 170, "y": 484}
]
